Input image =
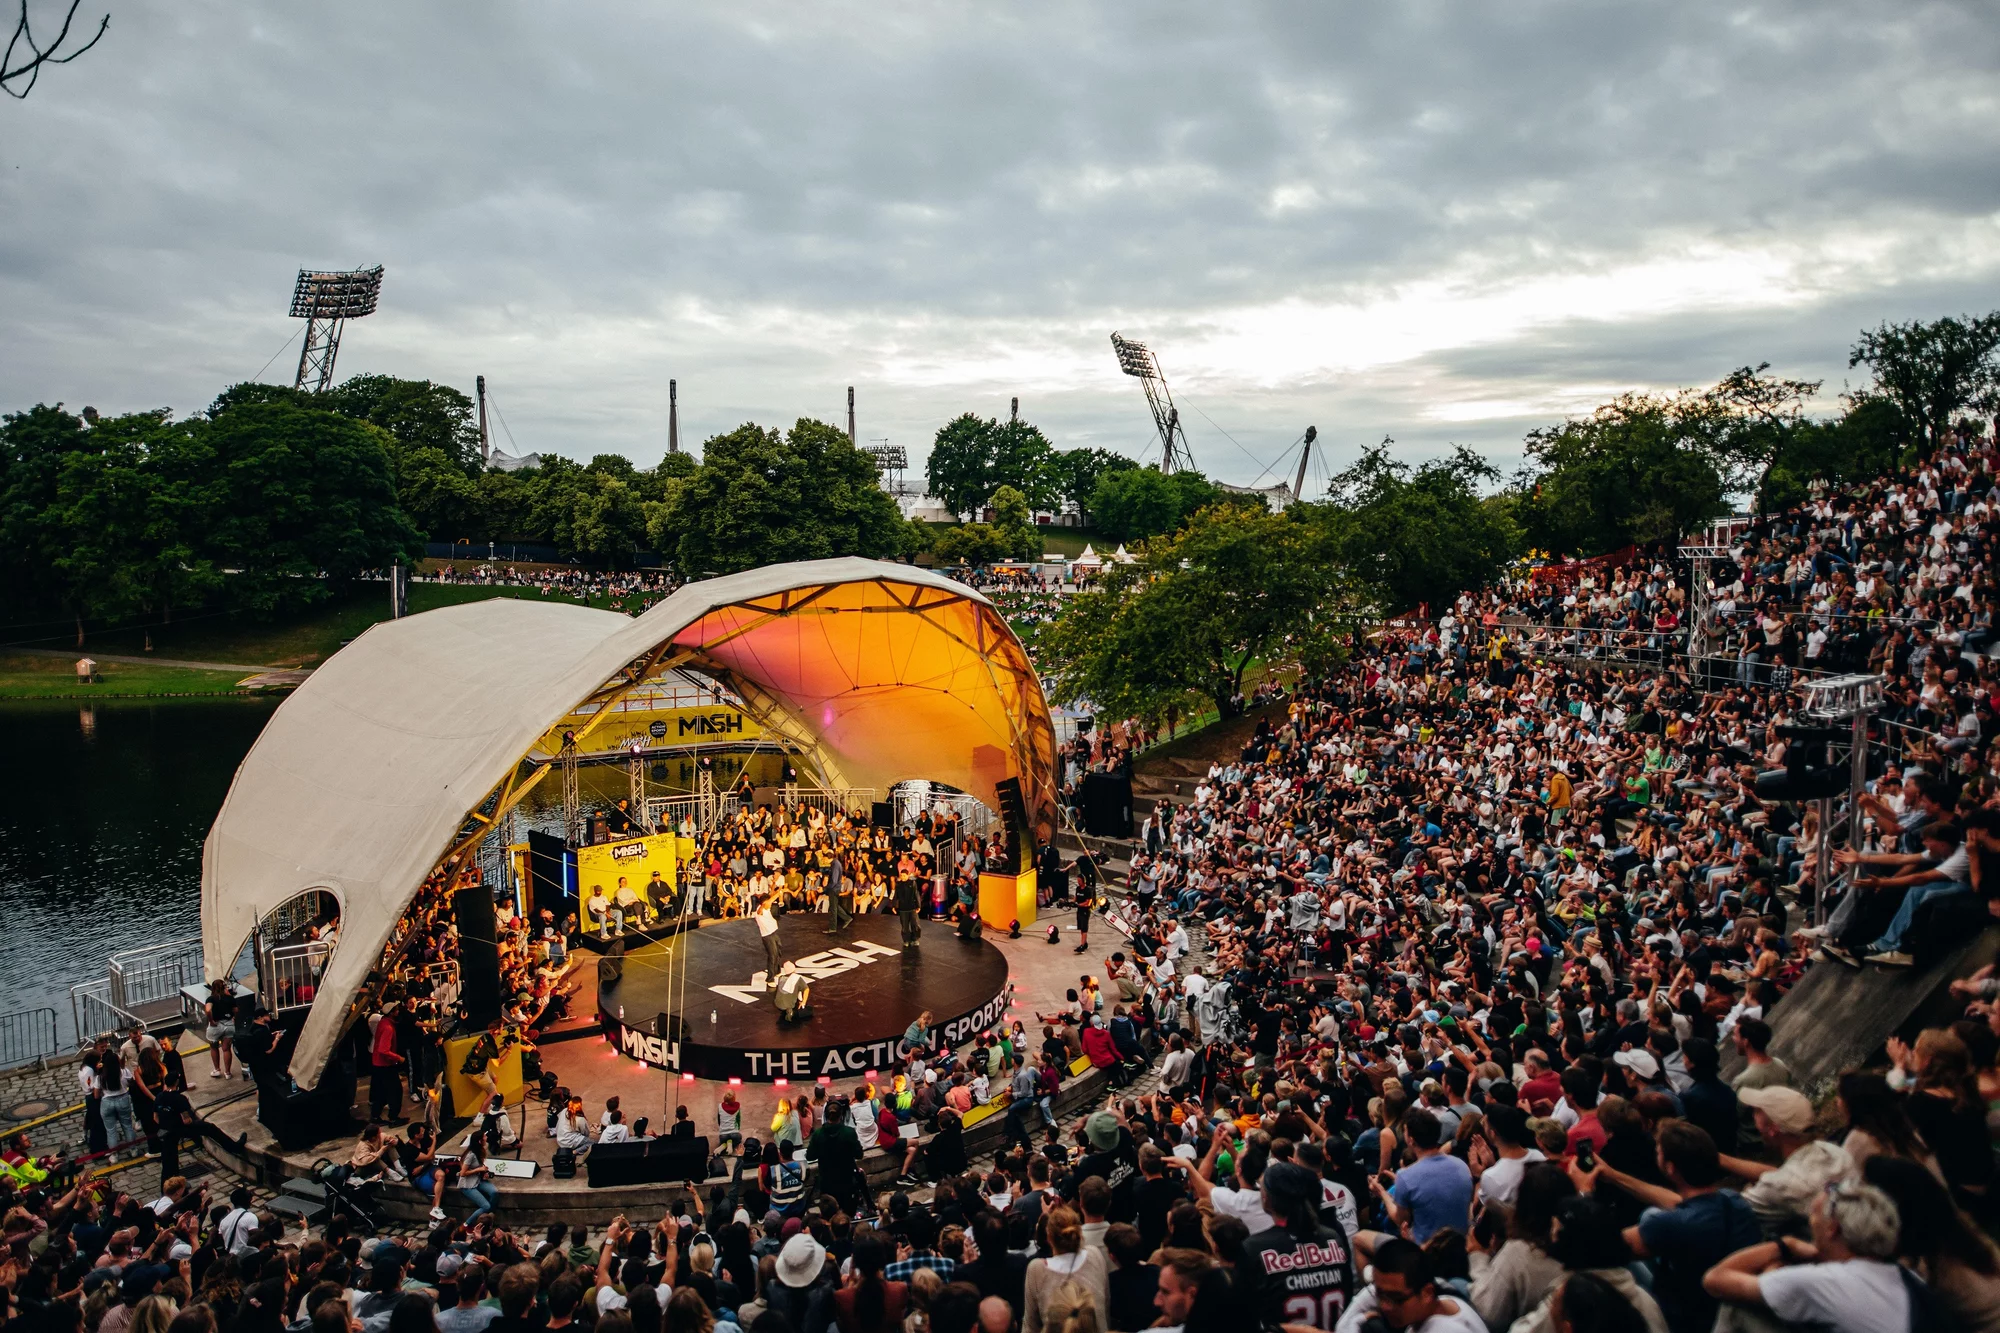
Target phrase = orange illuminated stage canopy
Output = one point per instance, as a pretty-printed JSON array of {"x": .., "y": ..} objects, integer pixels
[{"x": 408, "y": 745}]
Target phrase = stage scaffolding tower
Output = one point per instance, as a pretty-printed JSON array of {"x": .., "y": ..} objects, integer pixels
[
  {"x": 326, "y": 301},
  {"x": 1853, "y": 700},
  {"x": 572, "y": 803}
]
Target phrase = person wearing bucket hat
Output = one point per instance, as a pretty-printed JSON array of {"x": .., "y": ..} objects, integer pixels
[{"x": 1114, "y": 1156}]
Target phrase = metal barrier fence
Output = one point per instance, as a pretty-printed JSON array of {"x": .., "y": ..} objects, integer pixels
[
  {"x": 27, "y": 1035},
  {"x": 290, "y": 975},
  {"x": 139, "y": 986},
  {"x": 155, "y": 974},
  {"x": 974, "y": 818},
  {"x": 687, "y": 813},
  {"x": 93, "y": 1012}
]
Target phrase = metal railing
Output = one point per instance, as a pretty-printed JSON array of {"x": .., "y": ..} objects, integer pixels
[
  {"x": 155, "y": 974},
  {"x": 686, "y": 812},
  {"x": 139, "y": 986},
  {"x": 290, "y": 975},
  {"x": 95, "y": 1014},
  {"x": 974, "y": 818},
  {"x": 27, "y": 1035}
]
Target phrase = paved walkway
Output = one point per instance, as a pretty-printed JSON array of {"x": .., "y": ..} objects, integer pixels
[{"x": 72, "y": 654}]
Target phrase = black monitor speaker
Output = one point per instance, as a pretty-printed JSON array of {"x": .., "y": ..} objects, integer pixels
[{"x": 654, "y": 1162}]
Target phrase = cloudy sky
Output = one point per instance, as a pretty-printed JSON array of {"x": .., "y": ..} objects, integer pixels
[{"x": 1446, "y": 223}]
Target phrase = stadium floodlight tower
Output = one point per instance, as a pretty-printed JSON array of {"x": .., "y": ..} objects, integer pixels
[
  {"x": 1135, "y": 360},
  {"x": 326, "y": 300}
]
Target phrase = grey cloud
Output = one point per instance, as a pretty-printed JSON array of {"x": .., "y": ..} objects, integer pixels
[{"x": 773, "y": 202}]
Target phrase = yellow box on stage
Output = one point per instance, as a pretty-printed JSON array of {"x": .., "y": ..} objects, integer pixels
[
  {"x": 464, "y": 1092},
  {"x": 632, "y": 859},
  {"x": 1005, "y": 899}
]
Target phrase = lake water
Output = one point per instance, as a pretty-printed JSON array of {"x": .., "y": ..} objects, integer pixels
[
  {"x": 102, "y": 814},
  {"x": 103, "y": 810}
]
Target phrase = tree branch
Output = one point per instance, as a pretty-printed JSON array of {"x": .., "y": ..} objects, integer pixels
[{"x": 31, "y": 67}]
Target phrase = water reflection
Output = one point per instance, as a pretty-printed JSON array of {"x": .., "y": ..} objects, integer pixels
[{"x": 102, "y": 814}]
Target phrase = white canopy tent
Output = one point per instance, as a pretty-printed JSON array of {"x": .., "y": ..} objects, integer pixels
[{"x": 412, "y": 739}]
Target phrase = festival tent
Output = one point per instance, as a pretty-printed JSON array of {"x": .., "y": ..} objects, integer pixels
[
  {"x": 1090, "y": 559},
  {"x": 410, "y": 742}
]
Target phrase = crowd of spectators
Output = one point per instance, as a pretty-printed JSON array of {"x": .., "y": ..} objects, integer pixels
[{"x": 1448, "y": 1005}]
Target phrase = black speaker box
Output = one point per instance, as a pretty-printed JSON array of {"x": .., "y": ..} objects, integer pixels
[
  {"x": 656, "y": 1162},
  {"x": 1107, "y": 805}
]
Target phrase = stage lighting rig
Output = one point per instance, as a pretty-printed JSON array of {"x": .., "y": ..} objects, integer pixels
[
  {"x": 326, "y": 300},
  {"x": 1137, "y": 361}
]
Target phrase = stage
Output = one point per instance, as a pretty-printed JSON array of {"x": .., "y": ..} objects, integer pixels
[{"x": 698, "y": 1003}]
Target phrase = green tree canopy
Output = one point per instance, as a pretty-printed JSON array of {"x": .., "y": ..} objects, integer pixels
[
  {"x": 1638, "y": 469},
  {"x": 763, "y": 496},
  {"x": 420, "y": 414},
  {"x": 1933, "y": 372},
  {"x": 971, "y": 459},
  {"x": 1415, "y": 536},
  {"x": 1133, "y": 503},
  {"x": 303, "y": 500},
  {"x": 1185, "y": 621},
  {"x": 1077, "y": 471}
]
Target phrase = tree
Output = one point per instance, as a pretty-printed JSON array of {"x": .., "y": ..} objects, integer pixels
[
  {"x": 1134, "y": 503},
  {"x": 762, "y": 497},
  {"x": 1934, "y": 371},
  {"x": 1420, "y": 536},
  {"x": 33, "y": 445},
  {"x": 1750, "y": 417},
  {"x": 304, "y": 501},
  {"x": 418, "y": 413},
  {"x": 1014, "y": 523},
  {"x": 970, "y": 544},
  {"x": 971, "y": 458},
  {"x": 1868, "y": 440},
  {"x": 440, "y": 499},
  {"x": 1076, "y": 472},
  {"x": 1638, "y": 469},
  {"x": 960, "y": 469},
  {"x": 1235, "y": 586},
  {"x": 1024, "y": 459},
  {"x": 21, "y": 64}
]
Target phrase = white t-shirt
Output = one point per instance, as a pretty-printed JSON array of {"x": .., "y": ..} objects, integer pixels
[
  {"x": 1500, "y": 1182},
  {"x": 1462, "y": 1320},
  {"x": 1248, "y": 1205},
  {"x": 1862, "y": 1295}
]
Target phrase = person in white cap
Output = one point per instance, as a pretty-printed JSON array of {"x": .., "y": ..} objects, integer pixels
[{"x": 1782, "y": 1195}]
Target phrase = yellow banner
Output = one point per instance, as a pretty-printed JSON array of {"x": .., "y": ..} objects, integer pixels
[
  {"x": 660, "y": 727},
  {"x": 632, "y": 860}
]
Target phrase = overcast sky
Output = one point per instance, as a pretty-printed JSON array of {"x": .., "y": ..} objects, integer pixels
[{"x": 1444, "y": 223}]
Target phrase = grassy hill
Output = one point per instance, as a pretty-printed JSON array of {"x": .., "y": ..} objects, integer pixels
[{"x": 305, "y": 639}]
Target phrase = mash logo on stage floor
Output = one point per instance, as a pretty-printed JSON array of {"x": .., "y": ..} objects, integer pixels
[
  {"x": 816, "y": 966},
  {"x": 682, "y": 1004}
]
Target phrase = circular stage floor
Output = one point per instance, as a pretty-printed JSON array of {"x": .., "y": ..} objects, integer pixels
[{"x": 697, "y": 1003}]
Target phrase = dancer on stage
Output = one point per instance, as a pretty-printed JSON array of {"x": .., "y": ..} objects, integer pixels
[{"x": 767, "y": 929}]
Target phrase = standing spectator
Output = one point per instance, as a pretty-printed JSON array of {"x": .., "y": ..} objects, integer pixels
[{"x": 1070, "y": 1268}]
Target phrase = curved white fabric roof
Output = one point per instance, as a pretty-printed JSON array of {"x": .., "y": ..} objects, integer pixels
[{"x": 363, "y": 779}]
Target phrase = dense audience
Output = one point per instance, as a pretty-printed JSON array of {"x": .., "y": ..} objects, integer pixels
[{"x": 1446, "y": 1004}]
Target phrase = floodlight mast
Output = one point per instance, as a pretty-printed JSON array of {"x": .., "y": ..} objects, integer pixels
[
  {"x": 326, "y": 300},
  {"x": 1135, "y": 360}
]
